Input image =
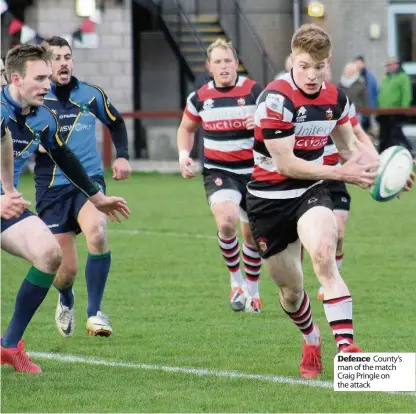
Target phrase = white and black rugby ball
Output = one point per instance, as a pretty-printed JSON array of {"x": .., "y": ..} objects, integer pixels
[{"x": 396, "y": 165}]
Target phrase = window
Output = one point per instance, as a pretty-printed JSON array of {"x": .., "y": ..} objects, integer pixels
[{"x": 402, "y": 35}]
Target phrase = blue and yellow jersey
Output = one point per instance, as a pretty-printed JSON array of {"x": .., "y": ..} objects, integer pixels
[
  {"x": 27, "y": 131},
  {"x": 76, "y": 107}
]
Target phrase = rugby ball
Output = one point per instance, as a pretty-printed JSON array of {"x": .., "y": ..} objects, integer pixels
[{"x": 396, "y": 165}]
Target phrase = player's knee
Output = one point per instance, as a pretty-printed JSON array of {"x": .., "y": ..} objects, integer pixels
[
  {"x": 97, "y": 238},
  {"x": 291, "y": 295},
  {"x": 227, "y": 224},
  {"x": 48, "y": 258},
  {"x": 68, "y": 271}
]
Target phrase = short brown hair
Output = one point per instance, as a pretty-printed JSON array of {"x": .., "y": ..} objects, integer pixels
[
  {"x": 17, "y": 57},
  {"x": 310, "y": 38},
  {"x": 221, "y": 44},
  {"x": 58, "y": 41}
]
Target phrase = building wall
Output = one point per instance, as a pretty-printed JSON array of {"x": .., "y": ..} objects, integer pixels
[
  {"x": 348, "y": 23},
  {"x": 110, "y": 65}
]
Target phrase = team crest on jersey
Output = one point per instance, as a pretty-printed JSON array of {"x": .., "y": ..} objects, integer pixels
[
  {"x": 301, "y": 114},
  {"x": 208, "y": 104},
  {"x": 329, "y": 114},
  {"x": 99, "y": 186},
  {"x": 274, "y": 105},
  {"x": 241, "y": 102},
  {"x": 85, "y": 109},
  {"x": 218, "y": 182},
  {"x": 262, "y": 242}
]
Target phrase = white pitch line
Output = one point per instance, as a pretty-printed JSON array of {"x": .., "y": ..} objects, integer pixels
[
  {"x": 162, "y": 233},
  {"x": 193, "y": 371}
]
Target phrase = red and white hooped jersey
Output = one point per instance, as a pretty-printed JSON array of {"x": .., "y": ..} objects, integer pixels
[
  {"x": 228, "y": 145},
  {"x": 331, "y": 156},
  {"x": 284, "y": 110}
]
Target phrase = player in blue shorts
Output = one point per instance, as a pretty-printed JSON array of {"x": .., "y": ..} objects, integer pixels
[
  {"x": 29, "y": 123},
  {"x": 62, "y": 206}
]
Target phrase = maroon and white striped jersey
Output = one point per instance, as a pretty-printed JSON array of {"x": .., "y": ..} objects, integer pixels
[
  {"x": 284, "y": 110},
  {"x": 331, "y": 156},
  {"x": 228, "y": 145}
]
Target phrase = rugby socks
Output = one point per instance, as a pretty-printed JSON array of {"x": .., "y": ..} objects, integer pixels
[
  {"x": 66, "y": 296},
  {"x": 339, "y": 259},
  {"x": 96, "y": 273},
  {"x": 338, "y": 312},
  {"x": 302, "y": 317},
  {"x": 31, "y": 294},
  {"x": 252, "y": 268},
  {"x": 230, "y": 250}
]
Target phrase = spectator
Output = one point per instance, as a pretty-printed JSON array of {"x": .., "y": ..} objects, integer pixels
[
  {"x": 370, "y": 81},
  {"x": 372, "y": 89},
  {"x": 353, "y": 85},
  {"x": 395, "y": 92}
]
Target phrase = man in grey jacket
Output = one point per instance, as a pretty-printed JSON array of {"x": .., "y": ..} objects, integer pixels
[{"x": 353, "y": 85}]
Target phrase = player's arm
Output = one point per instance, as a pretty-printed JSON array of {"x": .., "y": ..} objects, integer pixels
[
  {"x": 186, "y": 135},
  {"x": 109, "y": 116},
  {"x": 359, "y": 132},
  {"x": 255, "y": 93},
  {"x": 275, "y": 117},
  {"x": 362, "y": 136},
  {"x": 71, "y": 167},
  {"x": 281, "y": 150},
  {"x": 6, "y": 155},
  {"x": 12, "y": 202}
]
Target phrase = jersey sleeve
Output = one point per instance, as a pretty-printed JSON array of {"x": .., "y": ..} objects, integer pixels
[
  {"x": 49, "y": 134},
  {"x": 190, "y": 109},
  {"x": 4, "y": 119},
  {"x": 104, "y": 109},
  {"x": 274, "y": 115},
  {"x": 256, "y": 91},
  {"x": 353, "y": 115},
  {"x": 344, "y": 104},
  {"x": 61, "y": 154}
]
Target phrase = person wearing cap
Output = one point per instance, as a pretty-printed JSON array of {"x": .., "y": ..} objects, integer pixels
[{"x": 395, "y": 92}]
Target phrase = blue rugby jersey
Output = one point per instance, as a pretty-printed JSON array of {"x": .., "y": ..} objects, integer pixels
[
  {"x": 76, "y": 107},
  {"x": 39, "y": 126}
]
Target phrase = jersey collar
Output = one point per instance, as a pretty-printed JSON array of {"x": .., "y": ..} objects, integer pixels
[{"x": 17, "y": 108}]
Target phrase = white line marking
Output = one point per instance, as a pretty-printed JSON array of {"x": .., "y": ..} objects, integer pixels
[
  {"x": 162, "y": 233},
  {"x": 193, "y": 371}
]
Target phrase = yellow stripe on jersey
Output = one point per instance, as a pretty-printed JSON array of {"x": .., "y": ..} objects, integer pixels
[
  {"x": 107, "y": 109},
  {"x": 66, "y": 141}
]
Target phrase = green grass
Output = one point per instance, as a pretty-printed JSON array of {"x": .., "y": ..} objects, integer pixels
[{"x": 167, "y": 298}]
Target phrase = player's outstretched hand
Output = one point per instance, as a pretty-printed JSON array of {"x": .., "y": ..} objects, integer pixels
[
  {"x": 13, "y": 205},
  {"x": 111, "y": 206},
  {"x": 121, "y": 169},
  {"x": 187, "y": 166},
  {"x": 249, "y": 122},
  {"x": 360, "y": 170}
]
